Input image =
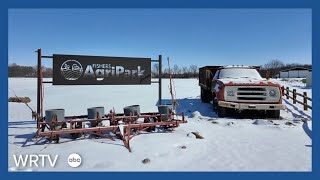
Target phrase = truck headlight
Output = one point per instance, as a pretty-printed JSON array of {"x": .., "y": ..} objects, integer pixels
[
  {"x": 272, "y": 93},
  {"x": 230, "y": 92}
]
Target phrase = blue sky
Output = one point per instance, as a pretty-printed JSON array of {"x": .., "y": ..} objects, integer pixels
[{"x": 187, "y": 36}]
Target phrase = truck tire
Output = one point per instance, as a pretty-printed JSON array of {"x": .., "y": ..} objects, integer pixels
[
  {"x": 202, "y": 94},
  {"x": 214, "y": 104},
  {"x": 205, "y": 96},
  {"x": 274, "y": 114},
  {"x": 221, "y": 111}
]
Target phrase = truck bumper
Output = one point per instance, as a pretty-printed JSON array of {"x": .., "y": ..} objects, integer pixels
[{"x": 243, "y": 106}]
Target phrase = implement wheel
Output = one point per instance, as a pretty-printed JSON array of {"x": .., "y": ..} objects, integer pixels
[{"x": 77, "y": 125}]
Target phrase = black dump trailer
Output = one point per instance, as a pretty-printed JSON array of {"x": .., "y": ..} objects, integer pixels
[{"x": 206, "y": 74}]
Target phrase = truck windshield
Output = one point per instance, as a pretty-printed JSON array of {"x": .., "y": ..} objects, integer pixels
[{"x": 239, "y": 73}]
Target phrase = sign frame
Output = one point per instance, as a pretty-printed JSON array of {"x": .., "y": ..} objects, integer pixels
[{"x": 40, "y": 82}]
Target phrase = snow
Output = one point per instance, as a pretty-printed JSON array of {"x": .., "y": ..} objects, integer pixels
[
  {"x": 295, "y": 83},
  {"x": 296, "y": 110},
  {"x": 228, "y": 145},
  {"x": 239, "y": 72},
  {"x": 261, "y": 122},
  {"x": 247, "y": 81},
  {"x": 191, "y": 135},
  {"x": 196, "y": 114}
]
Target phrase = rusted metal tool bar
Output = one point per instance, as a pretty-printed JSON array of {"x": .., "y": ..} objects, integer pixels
[{"x": 105, "y": 128}]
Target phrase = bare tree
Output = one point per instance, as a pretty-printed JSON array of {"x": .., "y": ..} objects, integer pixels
[
  {"x": 274, "y": 66},
  {"x": 185, "y": 71},
  {"x": 176, "y": 69},
  {"x": 155, "y": 70},
  {"x": 13, "y": 64},
  {"x": 194, "y": 70}
]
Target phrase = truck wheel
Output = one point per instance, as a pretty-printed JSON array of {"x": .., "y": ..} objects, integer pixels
[
  {"x": 202, "y": 94},
  {"x": 214, "y": 105},
  {"x": 275, "y": 114},
  {"x": 221, "y": 111}
]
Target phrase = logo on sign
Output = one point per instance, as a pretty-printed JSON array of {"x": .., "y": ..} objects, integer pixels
[{"x": 71, "y": 70}]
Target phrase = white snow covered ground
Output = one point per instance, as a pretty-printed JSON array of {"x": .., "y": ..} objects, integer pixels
[{"x": 228, "y": 144}]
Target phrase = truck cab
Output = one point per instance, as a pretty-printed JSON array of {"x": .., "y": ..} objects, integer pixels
[{"x": 240, "y": 88}]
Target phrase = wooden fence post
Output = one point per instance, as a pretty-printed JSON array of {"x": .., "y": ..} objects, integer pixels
[
  {"x": 287, "y": 93},
  {"x": 305, "y": 103},
  {"x": 294, "y": 96}
]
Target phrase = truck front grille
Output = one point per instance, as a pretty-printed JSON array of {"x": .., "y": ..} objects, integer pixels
[
  {"x": 251, "y": 98},
  {"x": 251, "y": 93},
  {"x": 251, "y": 89}
]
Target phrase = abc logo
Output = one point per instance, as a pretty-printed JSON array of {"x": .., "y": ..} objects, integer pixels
[{"x": 74, "y": 160}]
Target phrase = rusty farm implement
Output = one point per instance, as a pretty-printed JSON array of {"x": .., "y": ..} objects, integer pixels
[{"x": 110, "y": 125}]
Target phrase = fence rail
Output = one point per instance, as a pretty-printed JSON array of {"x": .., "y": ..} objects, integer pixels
[{"x": 286, "y": 92}]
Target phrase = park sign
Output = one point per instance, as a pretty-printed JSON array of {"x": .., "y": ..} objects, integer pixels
[{"x": 100, "y": 70}]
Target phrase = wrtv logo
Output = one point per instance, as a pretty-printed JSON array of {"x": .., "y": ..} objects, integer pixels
[{"x": 35, "y": 160}]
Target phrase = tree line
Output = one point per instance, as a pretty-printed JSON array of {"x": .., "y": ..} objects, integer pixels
[
  {"x": 177, "y": 72},
  {"x": 275, "y": 66},
  {"x": 15, "y": 70}
]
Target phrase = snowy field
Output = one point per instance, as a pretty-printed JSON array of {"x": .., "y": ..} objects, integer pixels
[{"x": 228, "y": 144}]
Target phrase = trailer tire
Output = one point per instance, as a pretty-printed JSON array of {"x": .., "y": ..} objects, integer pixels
[
  {"x": 205, "y": 96},
  {"x": 274, "y": 114},
  {"x": 202, "y": 94}
]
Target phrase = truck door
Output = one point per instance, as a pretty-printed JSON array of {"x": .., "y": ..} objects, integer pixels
[{"x": 214, "y": 81}]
